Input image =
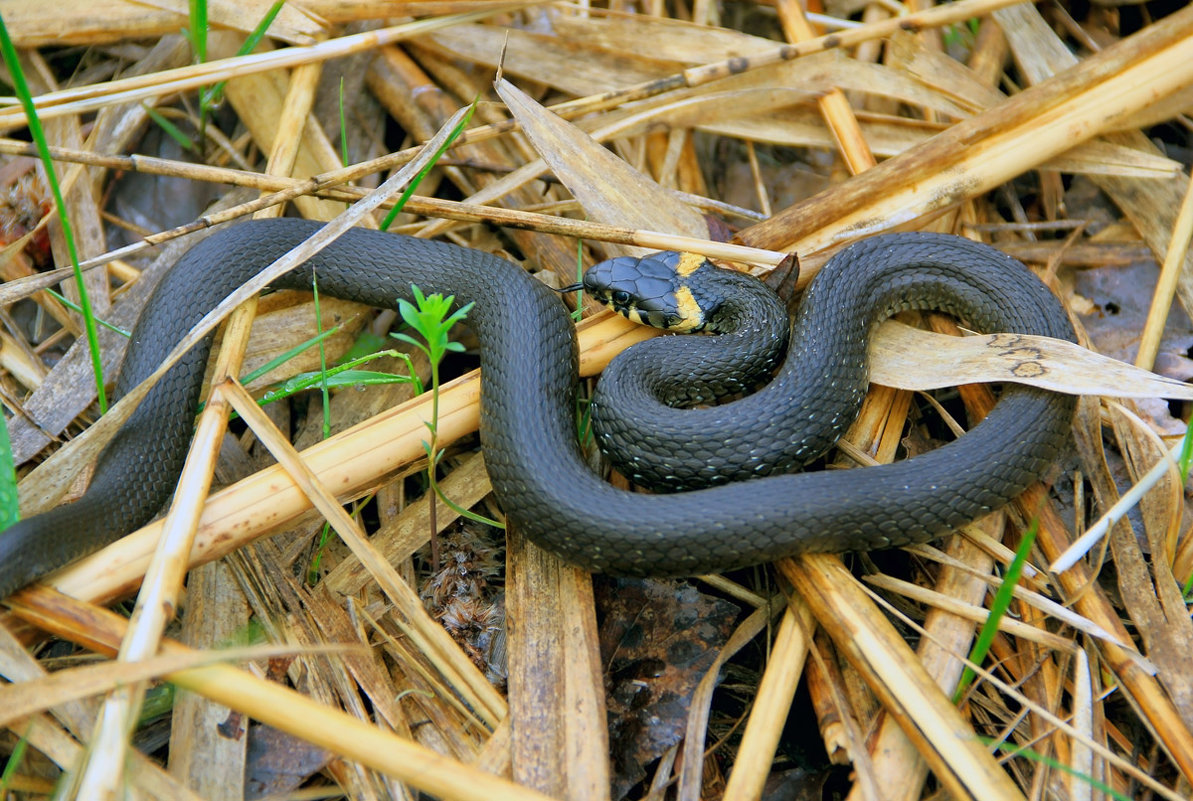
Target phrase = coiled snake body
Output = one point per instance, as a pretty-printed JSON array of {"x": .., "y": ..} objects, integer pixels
[{"x": 528, "y": 425}]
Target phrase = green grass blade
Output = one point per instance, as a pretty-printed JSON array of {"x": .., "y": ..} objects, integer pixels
[
  {"x": 401, "y": 201},
  {"x": 198, "y": 29},
  {"x": 366, "y": 342},
  {"x": 1186, "y": 457},
  {"x": 74, "y": 307},
  {"x": 198, "y": 39},
  {"x": 215, "y": 94},
  {"x": 578, "y": 312},
  {"x": 15, "y": 760},
  {"x": 468, "y": 513},
  {"x": 172, "y": 130},
  {"x": 1183, "y": 462},
  {"x": 281, "y": 359},
  {"x": 322, "y": 359},
  {"x": 21, "y": 86},
  {"x": 1002, "y": 602},
  {"x": 341, "y": 377},
  {"x": 345, "y": 375},
  {"x": 9, "y": 509},
  {"x": 1056, "y": 764}
]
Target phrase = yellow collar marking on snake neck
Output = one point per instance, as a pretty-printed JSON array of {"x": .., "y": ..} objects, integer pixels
[
  {"x": 690, "y": 314},
  {"x": 688, "y": 264}
]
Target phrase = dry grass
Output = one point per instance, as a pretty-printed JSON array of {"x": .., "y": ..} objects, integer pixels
[{"x": 1090, "y": 670}]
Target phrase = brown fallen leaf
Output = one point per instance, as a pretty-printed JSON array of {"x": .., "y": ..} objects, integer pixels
[{"x": 658, "y": 639}]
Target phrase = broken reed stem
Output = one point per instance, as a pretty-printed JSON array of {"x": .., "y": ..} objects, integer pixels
[
  {"x": 270, "y": 702},
  {"x": 977, "y": 154},
  {"x": 1174, "y": 258}
]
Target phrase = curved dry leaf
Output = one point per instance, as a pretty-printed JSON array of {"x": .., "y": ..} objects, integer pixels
[
  {"x": 1099, "y": 157},
  {"x": 908, "y": 358},
  {"x": 676, "y": 40},
  {"x": 576, "y": 67},
  {"x": 762, "y": 105},
  {"x": 609, "y": 189}
]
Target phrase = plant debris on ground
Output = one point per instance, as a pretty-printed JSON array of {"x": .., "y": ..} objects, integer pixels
[{"x": 370, "y": 664}]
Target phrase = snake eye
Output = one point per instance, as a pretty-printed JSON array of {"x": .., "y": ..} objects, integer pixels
[{"x": 620, "y": 296}]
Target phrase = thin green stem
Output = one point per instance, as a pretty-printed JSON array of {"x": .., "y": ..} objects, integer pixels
[
  {"x": 9, "y": 507},
  {"x": 15, "y": 760},
  {"x": 39, "y": 137},
  {"x": 432, "y": 318},
  {"x": 322, "y": 359},
  {"x": 74, "y": 307},
  {"x": 1036, "y": 756},
  {"x": 198, "y": 39}
]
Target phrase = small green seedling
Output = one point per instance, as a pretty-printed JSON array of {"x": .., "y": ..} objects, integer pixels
[{"x": 432, "y": 318}]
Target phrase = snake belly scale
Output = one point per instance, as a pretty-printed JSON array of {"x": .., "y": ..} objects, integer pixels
[{"x": 527, "y": 425}]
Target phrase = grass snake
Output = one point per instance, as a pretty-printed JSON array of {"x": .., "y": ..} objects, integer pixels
[{"x": 528, "y": 360}]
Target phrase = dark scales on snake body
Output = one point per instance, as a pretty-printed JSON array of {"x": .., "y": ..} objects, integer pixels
[{"x": 528, "y": 365}]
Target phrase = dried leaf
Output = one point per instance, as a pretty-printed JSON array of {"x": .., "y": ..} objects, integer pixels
[
  {"x": 658, "y": 640},
  {"x": 908, "y": 358},
  {"x": 279, "y": 763},
  {"x": 610, "y": 190}
]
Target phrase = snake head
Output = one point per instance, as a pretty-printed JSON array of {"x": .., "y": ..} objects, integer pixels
[{"x": 651, "y": 290}]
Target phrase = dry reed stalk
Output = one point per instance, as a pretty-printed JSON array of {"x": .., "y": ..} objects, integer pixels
[
  {"x": 57, "y": 736},
  {"x": 82, "y": 202},
  {"x": 201, "y": 758},
  {"x": 416, "y": 100},
  {"x": 977, "y": 154},
  {"x": 34, "y": 24},
  {"x": 834, "y": 106},
  {"x": 775, "y": 691},
  {"x": 691, "y": 772},
  {"x": 977, "y": 613},
  {"x": 265, "y": 105},
  {"x": 267, "y": 701},
  {"x": 467, "y": 485},
  {"x": 96, "y": 96},
  {"x": 1040, "y": 688},
  {"x": 1149, "y": 698},
  {"x": 925, "y": 715},
  {"x": 946, "y": 635},
  {"x": 158, "y": 599},
  {"x": 558, "y": 728},
  {"x": 1174, "y": 257},
  {"x": 430, "y": 636},
  {"x": 97, "y": 22}
]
